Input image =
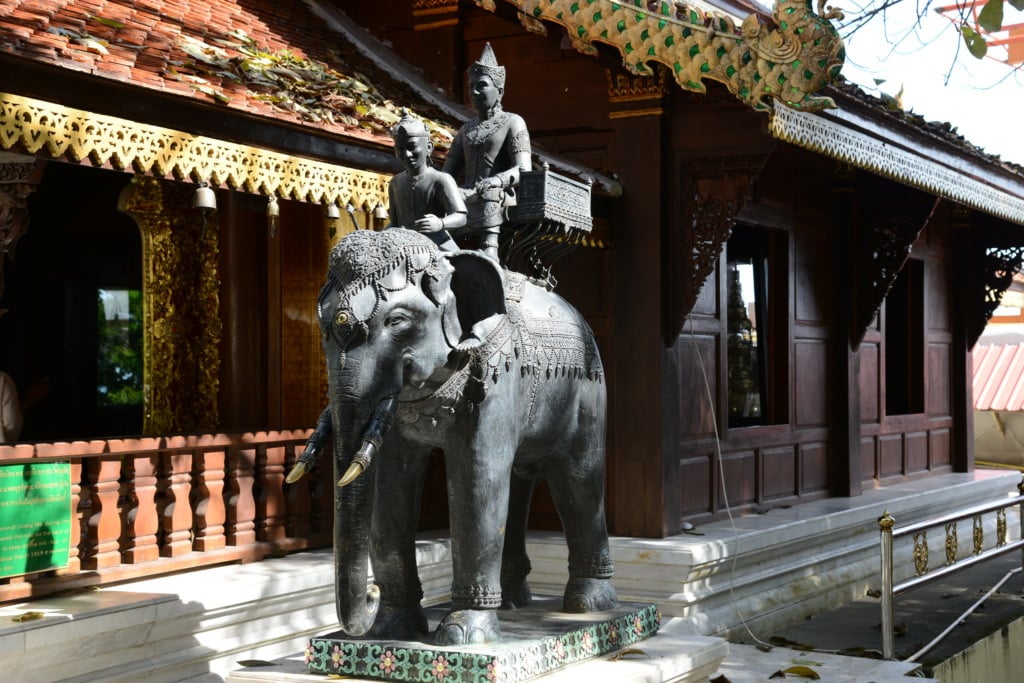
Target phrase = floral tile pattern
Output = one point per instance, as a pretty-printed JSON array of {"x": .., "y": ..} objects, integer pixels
[{"x": 512, "y": 660}]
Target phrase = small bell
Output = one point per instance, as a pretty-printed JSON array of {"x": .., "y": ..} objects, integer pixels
[
  {"x": 333, "y": 212},
  {"x": 273, "y": 212},
  {"x": 204, "y": 197}
]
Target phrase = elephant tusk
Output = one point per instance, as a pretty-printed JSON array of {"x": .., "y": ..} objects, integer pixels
[
  {"x": 297, "y": 472},
  {"x": 353, "y": 472},
  {"x": 360, "y": 462}
]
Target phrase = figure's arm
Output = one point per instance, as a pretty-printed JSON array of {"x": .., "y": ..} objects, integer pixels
[
  {"x": 455, "y": 161},
  {"x": 455, "y": 207},
  {"x": 10, "y": 411},
  {"x": 393, "y": 221},
  {"x": 517, "y": 145}
]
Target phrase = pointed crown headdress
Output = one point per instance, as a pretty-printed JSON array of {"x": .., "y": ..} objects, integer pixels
[
  {"x": 409, "y": 127},
  {"x": 488, "y": 65}
]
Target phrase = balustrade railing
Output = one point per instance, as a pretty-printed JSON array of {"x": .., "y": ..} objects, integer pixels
[
  {"x": 153, "y": 505},
  {"x": 954, "y": 562}
]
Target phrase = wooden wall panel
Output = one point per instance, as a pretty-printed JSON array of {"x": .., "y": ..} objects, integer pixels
[
  {"x": 707, "y": 299},
  {"x": 740, "y": 472},
  {"x": 778, "y": 471},
  {"x": 696, "y": 417},
  {"x": 917, "y": 452},
  {"x": 936, "y": 287},
  {"x": 938, "y": 449},
  {"x": 869, "y": 458},
  {"x": 813, "y": 467},
  {"x": 870, "y": 382},
  {"x": 810, "y": 278},
  {"x": 890, "y": 455},
  {"x": 937, "y": 376},
  {"x": 810, "y": 385},
  {"x": 696, "y": 483}
]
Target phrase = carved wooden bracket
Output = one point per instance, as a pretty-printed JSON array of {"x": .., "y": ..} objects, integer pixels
[
  {"x": 883, "y": 252},
  {"x": 714, "y": 190},
  {"x": 18, "y": 180},
  {"x": 994, "y": 271}
]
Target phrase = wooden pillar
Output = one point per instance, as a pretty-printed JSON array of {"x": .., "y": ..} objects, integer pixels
[
  {"x": 643, "y": 472},
  {"x": 437, "y": 24},
  {"x": 845, "y": 476},
  {"x": 140, "y": 518},
  {"x": 103, "y": 529},
  {"x": 964, "y": 295}
]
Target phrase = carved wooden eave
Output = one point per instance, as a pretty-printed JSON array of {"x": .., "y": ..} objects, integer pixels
[
  {"x": 789, "y": 62},
  {"x": 35, "y": 127},
  {"x": 894, "y": 152}
]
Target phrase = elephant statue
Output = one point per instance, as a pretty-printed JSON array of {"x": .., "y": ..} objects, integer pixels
[{"x": 428, "y": 349}]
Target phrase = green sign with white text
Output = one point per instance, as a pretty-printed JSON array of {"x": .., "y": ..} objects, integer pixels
[{"x": 35, "y": 517}]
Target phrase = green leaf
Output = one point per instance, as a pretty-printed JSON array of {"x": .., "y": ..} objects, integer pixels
[
  {"x": 976, "y": 45},
  {"x": 803, "y": 672},
  {"x": 991, "y": 16},
  {"x": 112, "y": 23},
  {"x": 92, "y": 44}
]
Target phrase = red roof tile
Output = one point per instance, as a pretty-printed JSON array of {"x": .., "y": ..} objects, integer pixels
[
  {"x": 154, "y": 44},
  {"x": 999, "y": 377}
]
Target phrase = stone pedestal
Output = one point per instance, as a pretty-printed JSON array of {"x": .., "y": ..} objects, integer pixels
[{"x": 535, "y": 641}]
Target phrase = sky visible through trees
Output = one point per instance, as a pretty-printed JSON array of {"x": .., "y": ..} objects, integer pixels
[{"x": 906, "y": 45}]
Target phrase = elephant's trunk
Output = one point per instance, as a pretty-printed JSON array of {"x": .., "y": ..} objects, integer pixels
[{"x": 356, "y": 606}]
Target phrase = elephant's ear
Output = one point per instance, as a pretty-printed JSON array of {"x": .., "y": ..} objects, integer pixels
[{"x": 478, "y": 286}]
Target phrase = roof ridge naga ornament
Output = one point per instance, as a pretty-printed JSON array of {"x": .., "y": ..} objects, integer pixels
[{"x": 788, "y": 62}]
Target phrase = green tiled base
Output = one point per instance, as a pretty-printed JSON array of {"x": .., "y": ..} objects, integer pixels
[{"x": 536, "y": 641}]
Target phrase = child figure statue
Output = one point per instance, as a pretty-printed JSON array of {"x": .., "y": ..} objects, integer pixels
[{"x": 422, "y": 198}]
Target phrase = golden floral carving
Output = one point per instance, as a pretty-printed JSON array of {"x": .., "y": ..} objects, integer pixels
[
  {"x": 38, "y": 127},
  {"x": 921, "y": 552},
  {"x": 181, "y": 322}
]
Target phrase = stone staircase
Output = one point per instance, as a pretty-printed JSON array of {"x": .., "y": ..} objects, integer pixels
[{"x": 773, "y": 569}]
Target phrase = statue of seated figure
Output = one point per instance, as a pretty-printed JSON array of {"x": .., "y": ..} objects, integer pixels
[
  {"x": 488, "y": 153},
  {"x": 421, "y": 197}
]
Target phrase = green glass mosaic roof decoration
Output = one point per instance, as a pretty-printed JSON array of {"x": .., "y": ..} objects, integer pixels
[
  {"x": 537, "y": 640},
  {"x": 789, "y": 61}
]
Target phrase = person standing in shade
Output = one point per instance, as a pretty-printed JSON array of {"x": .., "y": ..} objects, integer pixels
[
  {"x": 488, "y": 154},
  {"x": 10, "y": 410},
  {"x": 421, "y": 197}
]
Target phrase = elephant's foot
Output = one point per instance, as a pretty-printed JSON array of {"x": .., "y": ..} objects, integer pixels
[
  {"x": 462, "y": 627},
  {"x": 399, "y": 622},
  {"x": 589, "y": 595},
  {"x": 515, "y": 594}
]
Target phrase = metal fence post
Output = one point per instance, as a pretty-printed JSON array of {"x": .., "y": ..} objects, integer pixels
[
  {"x": 1020, "y": 512},
  {"x": 885, "y": 525}
]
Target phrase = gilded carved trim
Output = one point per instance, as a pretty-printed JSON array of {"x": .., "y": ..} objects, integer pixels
[
  {"x": 788, "y": 60},
  {"x": 838, "y": 141},
  {"x": 37, "y": 127},
  {"x": 977, "y": 535},
  {"x": 921, "y": 553},
  {"x": 181, "y": 321},
  {"x": 951, "y": 543},
  {"x": 626, "y": 87}
]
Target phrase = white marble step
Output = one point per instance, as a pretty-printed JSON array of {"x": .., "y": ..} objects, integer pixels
[{"x": 773, "y": 569}]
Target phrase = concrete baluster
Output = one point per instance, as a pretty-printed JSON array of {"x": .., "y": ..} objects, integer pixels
[
  {"x": 141, "y": 521},
  {"x": 297, "y": 498},
  {"x": 103, "y": 527},
  {"x": 209, "y": 508},
  {"x": 270, "y": 507},
  {"x": 241, "y": 503},
  {"x": 176, "y": 518}
]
